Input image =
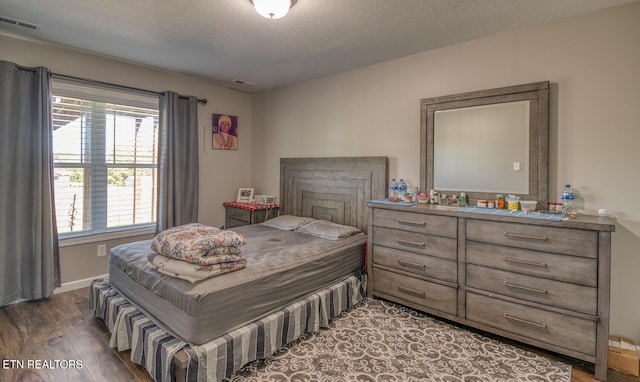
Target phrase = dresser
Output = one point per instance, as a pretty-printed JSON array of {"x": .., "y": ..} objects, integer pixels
[
  {"x": 237, "y": 214},
  {"x": 543, "y": 283}
]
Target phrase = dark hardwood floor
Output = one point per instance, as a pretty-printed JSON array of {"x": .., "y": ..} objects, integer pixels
[{"x": 62, "y": 329}]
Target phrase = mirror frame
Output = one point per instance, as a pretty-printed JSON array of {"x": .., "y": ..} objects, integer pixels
[{"x": 538, "y": 96}]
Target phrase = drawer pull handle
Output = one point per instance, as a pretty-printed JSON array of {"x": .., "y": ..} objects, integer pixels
[
  {"x": 521, "y": 236},
  {"x": 414, "y": 222},
  {"x": 510, "y": 260},
  {"x": 411, "y": 291},
  {"x": 408, "y": 264},
  {"x": 537, "y": 325},
  {"x": 406, "y": 242},
  {"x": 541, "y": 291}
]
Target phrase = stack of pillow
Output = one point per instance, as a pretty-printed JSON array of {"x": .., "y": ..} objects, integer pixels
[{"x": 194, "y": 252}]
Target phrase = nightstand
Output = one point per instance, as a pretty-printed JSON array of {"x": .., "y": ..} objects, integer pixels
[{"x": 238, "y": 214}]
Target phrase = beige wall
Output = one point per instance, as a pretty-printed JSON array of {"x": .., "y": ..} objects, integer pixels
[
  {"x": 80, "y": 262},
  {"x": 593, "y": 63}
]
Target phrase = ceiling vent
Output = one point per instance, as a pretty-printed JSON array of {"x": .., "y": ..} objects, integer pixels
[
  {"x": 18, "y": 23},
  {"x": 243, "y": 82}
]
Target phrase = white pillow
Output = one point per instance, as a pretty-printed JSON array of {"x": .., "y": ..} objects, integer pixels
[
  {"x": 288, "y": 222},
  {"x": 328, "y": 230}
]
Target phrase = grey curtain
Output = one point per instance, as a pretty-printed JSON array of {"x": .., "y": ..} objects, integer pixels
[
  {"x": 29, "y": 257},
  {"x": 178, "y": 171}
]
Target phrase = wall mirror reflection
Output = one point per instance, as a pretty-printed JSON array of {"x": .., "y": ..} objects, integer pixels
[
  {"x": 464, "y": 135},
  {"x": 487, "y": 142}
]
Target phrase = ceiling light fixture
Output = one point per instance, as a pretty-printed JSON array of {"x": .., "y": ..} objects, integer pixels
[{"x": 273, "y": 9}]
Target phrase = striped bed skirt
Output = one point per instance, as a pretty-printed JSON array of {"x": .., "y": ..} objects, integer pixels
[{"x": 154, "y": 348}]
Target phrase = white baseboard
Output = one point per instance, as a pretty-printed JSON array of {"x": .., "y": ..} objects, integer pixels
[
  {"x": 73, "y": 285},
  {"x": 67, "y": 287}
]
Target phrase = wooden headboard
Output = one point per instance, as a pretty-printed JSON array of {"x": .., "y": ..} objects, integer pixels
[{"x": 334, "y": 189}]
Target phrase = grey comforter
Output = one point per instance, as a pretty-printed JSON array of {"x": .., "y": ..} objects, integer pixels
[{"x": 282, "y": 267}]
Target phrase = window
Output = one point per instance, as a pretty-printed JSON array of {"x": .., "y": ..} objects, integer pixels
[{"x": 105, "y": 159}]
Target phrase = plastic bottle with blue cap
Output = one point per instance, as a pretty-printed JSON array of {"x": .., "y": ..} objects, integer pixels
[
  {"x": 402, "y": 188},
  {"x": 393, "y": 190},
  {"x": 568, "y": 198}
]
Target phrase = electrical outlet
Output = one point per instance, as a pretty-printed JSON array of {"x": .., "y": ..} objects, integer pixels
[
  {"x": 102, "y": 250},
  {"x": 516, "y": 166}
]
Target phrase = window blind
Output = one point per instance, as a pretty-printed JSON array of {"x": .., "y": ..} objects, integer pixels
[{"x": 105, "y": 158}]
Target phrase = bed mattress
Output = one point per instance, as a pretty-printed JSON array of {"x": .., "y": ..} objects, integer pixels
[{"x": 282, "y": 267}]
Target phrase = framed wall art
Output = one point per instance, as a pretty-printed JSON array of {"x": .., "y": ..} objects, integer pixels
[{"x": 224, "y": 132}]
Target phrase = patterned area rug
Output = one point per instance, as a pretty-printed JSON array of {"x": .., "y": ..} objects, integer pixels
[{"x": 382, "y": 341}]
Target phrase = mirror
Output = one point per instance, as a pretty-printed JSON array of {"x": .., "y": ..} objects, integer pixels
[
  {"x": 503, "y": 130},
  {"x": 487, "y": 142}
]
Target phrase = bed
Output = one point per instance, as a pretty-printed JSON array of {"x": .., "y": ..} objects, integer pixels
[{"x": 295, "y": 281}]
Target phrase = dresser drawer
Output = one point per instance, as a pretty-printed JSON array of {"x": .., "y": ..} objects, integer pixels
[
  {"x": 231, "y": 223},
  {"x": 550, "y": 239},
  {"x": 569, "y": 332},
  {"x": 577, "y": 298},
  {"x": 421, "y": 243},
  {"x": 415, "y": 222},
  {"x": 425, "y": 293},
  {"x": 429, "y": 266},
  {"x": 572, "y": 269},
  {"x": 238, "y": 214}
]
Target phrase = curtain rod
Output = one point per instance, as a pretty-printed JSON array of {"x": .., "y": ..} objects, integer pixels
[{"x": 200, "y": 100}]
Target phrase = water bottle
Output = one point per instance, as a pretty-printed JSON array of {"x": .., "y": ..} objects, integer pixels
[
  {"x": 568, "y": 197},
  {"x": 393, "y": 188},
  {"x": 402, "y": 187}
]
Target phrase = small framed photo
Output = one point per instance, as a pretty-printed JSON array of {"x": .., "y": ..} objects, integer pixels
[{"x": 245, "y": 195}]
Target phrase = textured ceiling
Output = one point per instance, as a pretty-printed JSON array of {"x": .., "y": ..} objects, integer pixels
[{"x": 224, "y": 40}]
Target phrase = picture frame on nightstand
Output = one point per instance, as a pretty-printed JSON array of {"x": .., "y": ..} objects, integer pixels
[{"x": 245, "y": 195}]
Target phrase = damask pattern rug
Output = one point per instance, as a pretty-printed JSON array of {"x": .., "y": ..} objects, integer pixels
[{"x": 382, "y": 341}]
